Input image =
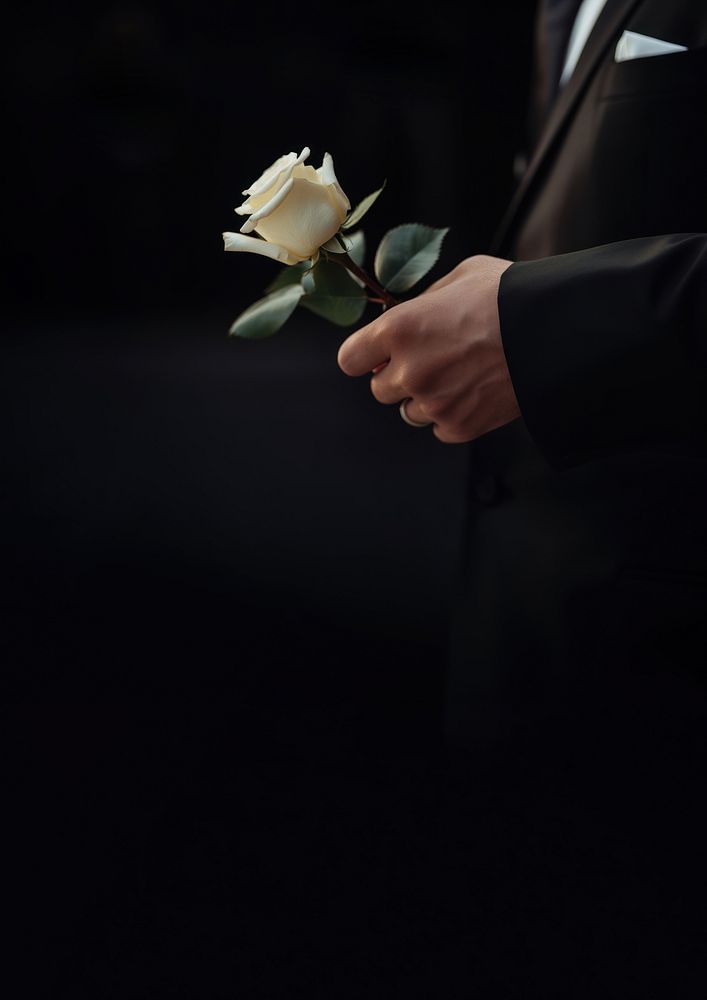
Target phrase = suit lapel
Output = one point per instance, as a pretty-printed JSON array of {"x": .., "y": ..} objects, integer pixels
[{"x": 604, "y": 33}]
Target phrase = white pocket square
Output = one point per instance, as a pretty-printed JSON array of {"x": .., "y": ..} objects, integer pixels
[{"x": 631, "y": 45}]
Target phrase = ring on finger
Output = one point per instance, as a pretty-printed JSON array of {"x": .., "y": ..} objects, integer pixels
[{"x": 408, "y": 419}]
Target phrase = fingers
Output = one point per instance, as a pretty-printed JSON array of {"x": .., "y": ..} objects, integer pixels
[
  {"x": 387, "y": 388},
  {"x": 416, "y": 412},
  {"x": 386, "y": 385},
  {"x": 364, "y": 350}
]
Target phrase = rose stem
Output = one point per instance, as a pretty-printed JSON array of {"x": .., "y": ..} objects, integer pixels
[{"x": 350, "y": 265}]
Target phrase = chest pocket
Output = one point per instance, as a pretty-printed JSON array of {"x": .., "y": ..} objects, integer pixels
[{"x": 674, "y": 73}]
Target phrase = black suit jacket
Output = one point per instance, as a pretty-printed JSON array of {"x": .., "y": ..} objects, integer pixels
[
  {"x": 577, "y": 681},
  {"x": 583, "y": 608}
]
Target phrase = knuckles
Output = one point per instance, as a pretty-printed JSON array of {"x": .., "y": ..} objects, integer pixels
[
  {"x": 387, "y": 391},
  {"x": 353, "y": 355},
  {"x": 435, "y": 409},
  {"x": 472, "y": 263}
]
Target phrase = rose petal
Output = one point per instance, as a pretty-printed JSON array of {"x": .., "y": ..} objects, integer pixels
[
  {"x": 236, "y": 241},
  {"x": 327, "y": 176},
  {"x": 306, "y": 173},
  {"x": 305, "y": 221},
  {"x": 269, "y": 176},
  {"x": 269, "y": 207},
  {"x": 257, "y": 201}
]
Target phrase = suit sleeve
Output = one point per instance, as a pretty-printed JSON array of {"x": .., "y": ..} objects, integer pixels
[{"x": 607, "y": 347}]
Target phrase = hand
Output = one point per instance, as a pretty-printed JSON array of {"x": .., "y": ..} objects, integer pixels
[{"x": 443, "y": 351}]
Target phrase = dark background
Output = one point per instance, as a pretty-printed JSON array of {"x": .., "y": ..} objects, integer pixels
[{"x": 227, "y": 571}]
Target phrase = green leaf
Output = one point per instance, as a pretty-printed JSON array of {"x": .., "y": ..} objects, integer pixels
[
  {"x": 267, "y": 315},
  {"x": 331, "y": 292},
  {"x": 357, "y": 251},
  {"x": 361, "y": 209},
  {"x": 406, "y": 253},
  {"x": 291, "y": 274}
]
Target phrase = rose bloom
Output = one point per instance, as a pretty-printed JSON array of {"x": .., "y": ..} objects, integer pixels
[{"x": 293, "y": 207}]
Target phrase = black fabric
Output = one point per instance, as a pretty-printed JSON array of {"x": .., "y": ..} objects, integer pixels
[
  {"x": 625, "y": 377},
  {"x": 576, "y": 701}
]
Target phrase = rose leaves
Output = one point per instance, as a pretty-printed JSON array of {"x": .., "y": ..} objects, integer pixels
[
  {"x": 329, "y": 289},
  {"x": 406, "y": 254},
  {"x": 358, "y": 213},
  {"x": 267, "y": 315}
]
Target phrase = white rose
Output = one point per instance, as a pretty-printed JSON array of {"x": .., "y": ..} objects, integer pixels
[{"x": 295, "y": 208}]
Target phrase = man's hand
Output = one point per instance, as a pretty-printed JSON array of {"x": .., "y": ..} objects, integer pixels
[{"x": 443, "y": 351}]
